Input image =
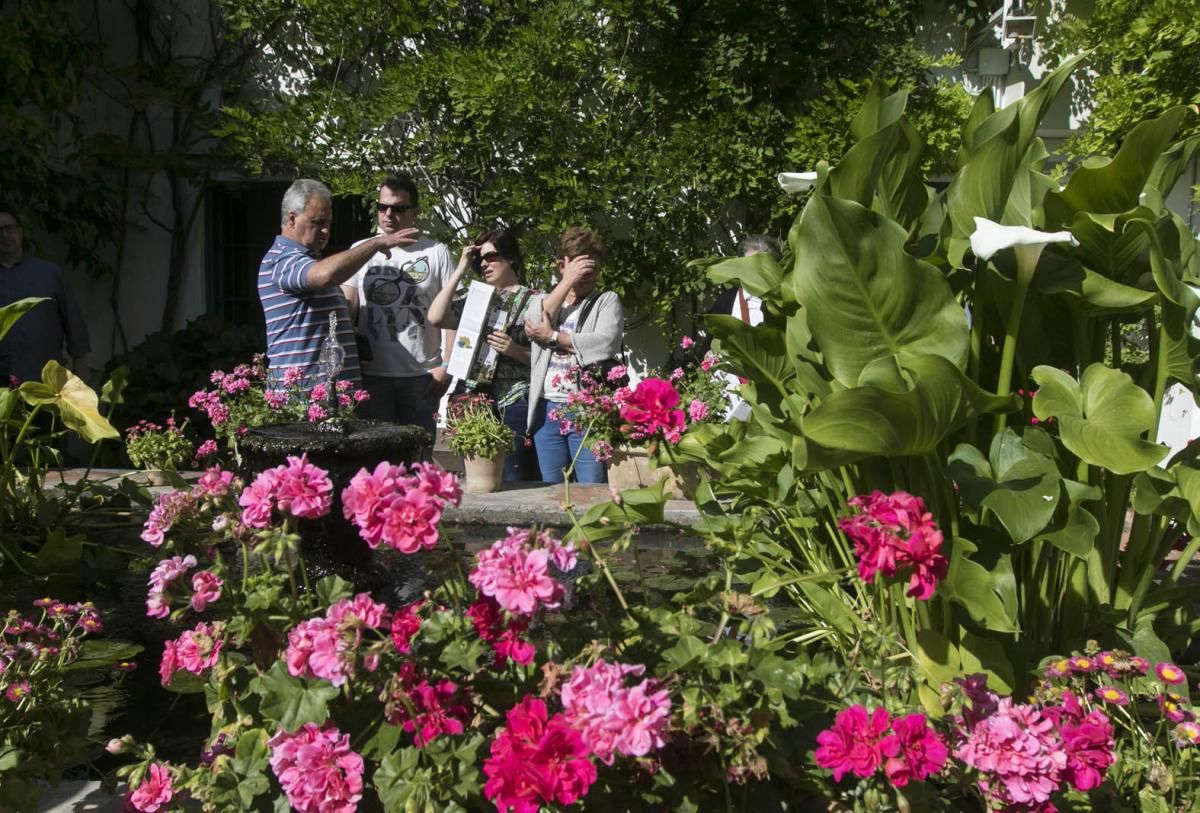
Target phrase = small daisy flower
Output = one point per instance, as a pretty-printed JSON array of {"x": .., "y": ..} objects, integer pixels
[
  {"x": 1081, "y": 665},
  {"x": 1111, "y": 694},
  {"x": 1059, "y": 668},
  {"x": 1170, "y": 674},
  {"x": 1187, "y": 733}
]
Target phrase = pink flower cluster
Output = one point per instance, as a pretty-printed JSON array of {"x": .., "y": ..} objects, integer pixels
[
  {"x": 173, "y": 507},
  {"x": 653, "y": 408},
  {"x": 893, "y": 533},
  {"x": 398, "y": 507},
  {"x": 424, "y": 709},
  {"x": 327, "y": 647},
  {"x": 195, "y": 651},
  {"x": 502, "y": 632},
  {"x": 535, "y": 760},
  {"x": 154, "y": 792},
  {"x": 166, "y": 573},
  {"x": 298, "y": 488},
  {"x": 615, "y": 718},
  {"x": 317, "y": 769},
  {"x": 515, "y": 571},
  {"x": 1024, "y": 754},
  {"x": 859, "y": 743}
]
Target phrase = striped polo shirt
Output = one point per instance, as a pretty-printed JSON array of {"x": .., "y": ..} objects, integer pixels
[{"x": 298, "y": 318}]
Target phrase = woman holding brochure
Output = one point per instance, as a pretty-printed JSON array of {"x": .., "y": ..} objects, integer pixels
[{"x": 497, "y": 258}]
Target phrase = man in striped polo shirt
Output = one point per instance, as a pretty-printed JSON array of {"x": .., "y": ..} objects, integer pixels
[{"x": 299, "y": 289}]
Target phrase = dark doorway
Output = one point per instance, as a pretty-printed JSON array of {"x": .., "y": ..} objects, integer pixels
[{"x": 242, "y": 221}]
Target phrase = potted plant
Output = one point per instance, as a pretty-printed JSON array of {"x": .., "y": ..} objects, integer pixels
[
  {"x": 158, "y": 449},
  {"x": 474, "y": 431}
]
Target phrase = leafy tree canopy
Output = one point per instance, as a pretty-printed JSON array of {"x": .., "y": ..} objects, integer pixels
[
  {"x": 661, "y": 123},
  {"x": 1144, "y": 59}
]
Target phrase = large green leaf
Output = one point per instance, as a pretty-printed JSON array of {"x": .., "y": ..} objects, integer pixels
[
  {"x": 998, "y": 164},
  {"x": 1017, "y": 484},
  {"x": 758, "y": 273},
  {"x": 969, "y": 584},
  {"x": 883, "y": 172},
  {"x": 1100, "y": 419},
  {"x": 873, "y": 421},
  {"x": 1077, "y": 533},
  {"x": 290, "y": 701},
  {"x": 1112, "y": 187},
  {"x": 757, "y": 353},
  {"x": 75, "y": 401},
  {"x": 9, "y": 314},
  {"x": 865, "y": 297},
  {"x": 879, "y": 109}
]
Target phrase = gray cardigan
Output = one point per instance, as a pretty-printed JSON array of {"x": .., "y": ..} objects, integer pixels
[{"x": 597, "y": 339}]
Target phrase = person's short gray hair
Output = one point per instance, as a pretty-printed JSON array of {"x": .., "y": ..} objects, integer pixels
[
  {"x": 298, "y": 194},
  {"x": 760, "y": 244}
]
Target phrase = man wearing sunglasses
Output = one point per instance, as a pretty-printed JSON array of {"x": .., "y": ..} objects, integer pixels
[
  {"x": 405, "y": 356},
  {"x": 39, "y": 335}
]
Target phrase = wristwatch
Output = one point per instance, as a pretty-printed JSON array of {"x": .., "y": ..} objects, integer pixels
[{"x": 553, "y": 343}]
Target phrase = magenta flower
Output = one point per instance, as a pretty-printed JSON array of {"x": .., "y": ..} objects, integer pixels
[
  {"x": 651, "y": 408},
  {"x": 914, "y": 751},
  {"x": 1172, "y": 707},
  {"x": 292, "y": 376},
  {"x": 439, "y": 709},
  {"x": 168, "y": 663},
  {"x": 501, "y": 632},
  {"x": 215, "y": 482},
  {"x": 402, "y": 511},
  {"x": 206, "y": 589},
  {"x": 892, "y": 533},
  {"x": 1111, "y": 694},
  {"x": 206, "y": 449},
  {"x": 17, "y": 691},
  {"x": 615, "y": 718},
  {"x": 515, "y": 571},
  {"x": 317, "y": 770},
  {"x": 1170, "y": 674},
  {"x": 535, "y": 760},
  {"x": 258, "y": 500},
  {"x": 405, "y": 626},
  {"x": 154, "y": 792},
  {"x": 697, "y": 411},
  {"x": 854, "y": 742},
  {"x": 1090, "y": 749}
]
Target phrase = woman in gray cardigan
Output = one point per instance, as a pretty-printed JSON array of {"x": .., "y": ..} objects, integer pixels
[{"x": 573, "y": 325}]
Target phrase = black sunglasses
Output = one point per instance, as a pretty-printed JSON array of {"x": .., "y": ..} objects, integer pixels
[
  {"x": 396, "y": 208},
  {"x": 491, "y": 257}
]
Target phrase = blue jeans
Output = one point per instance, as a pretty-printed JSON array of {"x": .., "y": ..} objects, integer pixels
[
  {"x": 401, "y": 400},
  {"x": 522, "y": 462},
  {"x": 555, "y": 451}
]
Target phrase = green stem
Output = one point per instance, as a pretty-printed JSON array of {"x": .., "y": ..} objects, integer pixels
[
  {"x": 724, "y": 606},
  {"x": 1011, "y": 330},
  {"x": 1162, "y": 370}
]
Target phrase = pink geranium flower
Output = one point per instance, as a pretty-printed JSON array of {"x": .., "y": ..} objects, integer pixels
[
  {"x": 651, "y": 408},
  {"x": 501, "y": 632},
  {"x": 854, "y": 743},
  {"x": 1018, "y": 755},
  {"x": 165, "y": 574},
  {"x": 403, "y": 511},
  {"x": 1090, "y": 749},
  {"x": 615, "y": 718},
  {"x": 302, "y": 489},
  {"x": 154, "y": 792},
  {"x": 893, "y": 533},
  {"x": 317, "y": 649},
  {"x": 534, "y": 760},
  {"x": 405, "y": 626},
  {"x": 206, "y": 588},
  {"x": 436, "y": 709},
  {"x": 914, "y": 751},
  {"x": 198, "y": 649},
  {"x": 317, "y": 769},
  {"x": 258, "y": 500}
]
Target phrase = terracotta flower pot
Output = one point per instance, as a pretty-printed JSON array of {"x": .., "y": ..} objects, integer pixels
[
  {"x": 484, "y": 474},
  {"x": 631, "y": 467}
]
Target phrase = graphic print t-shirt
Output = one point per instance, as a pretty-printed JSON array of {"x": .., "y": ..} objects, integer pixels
[{"x": 393, "y": 299}]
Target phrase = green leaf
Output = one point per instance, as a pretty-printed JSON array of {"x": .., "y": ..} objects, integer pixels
[
  {"x": 687, "y": 653},
  {"x": 290, "y": 701},
  {"x": 59, "y": 552},
  {"x": 9, "y": 314},
  {"x": 1101, "y": 419},
  {"x": 865, "y": 297},
  {"x": 113, "y": 391},
  {"x": 970, "y": 584},
  {"x": 979, "y": 654},
  {"x": 1077, "y": 535},
  {"x": 250, "y": 754},
  {"x": 102, "y": 653},
  {"x": 1019, "y": 485},
  {"x": 870, "y": 421},
  {"x": 1114, "y": 186},
  {"x": 75, "y": 401},
  {"x": 937, "y": 658},
  {"x": 759, "y": 274}
]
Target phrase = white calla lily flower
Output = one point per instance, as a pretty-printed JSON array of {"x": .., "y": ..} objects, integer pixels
[
  {"x": 990, "y": 237},
  {"x": 794, "y": 182}
]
